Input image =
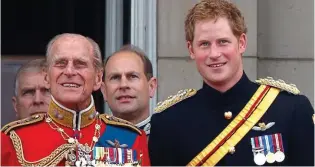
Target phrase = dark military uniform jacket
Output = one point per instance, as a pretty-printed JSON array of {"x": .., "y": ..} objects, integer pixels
[{"x": 183, "y": 130}]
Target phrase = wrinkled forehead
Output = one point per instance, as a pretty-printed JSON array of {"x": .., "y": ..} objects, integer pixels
[
  {"x": 71, "y": 47},
  {"x": 30, "y": 78}
]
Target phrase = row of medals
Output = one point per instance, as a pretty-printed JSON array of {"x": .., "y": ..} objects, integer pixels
[
  {"x": 260, "y": 158},
  {"x": 111, "y": 161},
  {"x": 81, "y": 156}
]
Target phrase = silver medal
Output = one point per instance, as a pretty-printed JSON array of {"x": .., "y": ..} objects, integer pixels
[
  {"x": 279, "y": 155},
  {"x": 259, "y": 159}
]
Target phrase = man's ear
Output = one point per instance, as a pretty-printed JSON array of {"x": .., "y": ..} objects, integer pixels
[
  {"x": 152, "y": 86},
  {"x": 190, "y": 49},
  {"x": 46, "y": 80},
  {"x": 98, "y": 80},
  {"x": 103, "y": 90},
  {"x": 14, "y": 103},
  {"x": 242, "y": 43}
]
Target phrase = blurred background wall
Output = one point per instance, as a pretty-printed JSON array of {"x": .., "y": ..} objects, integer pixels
[{"x": 280, "y": 44}]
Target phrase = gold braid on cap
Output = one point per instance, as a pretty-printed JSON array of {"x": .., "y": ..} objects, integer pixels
[
  {"x": 171, "y": 100},
  {"x": 291, "y": 88}
]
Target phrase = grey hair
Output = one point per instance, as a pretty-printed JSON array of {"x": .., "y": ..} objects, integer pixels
[
  {"x": 36, "y": 65},
  {"x": 96, "y": 49},
  {"x": 147, "y": 65}
]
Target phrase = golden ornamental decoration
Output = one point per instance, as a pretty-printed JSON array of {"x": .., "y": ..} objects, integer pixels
[
  {"x": 291, "y": 88},
  {"x": 108, "y": 119},
  {"x": 171, "y": 100},
  {"x": 51, "y": 160},
  {"x": 26, "y": 121}
]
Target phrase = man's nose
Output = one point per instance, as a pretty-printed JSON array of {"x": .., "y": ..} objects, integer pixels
[
  {"x": 214, "y": 52},
  {"x": 38, "y": 97},
  {"x": 124, "y": 82},
  {"x": 69, "y": 70}
]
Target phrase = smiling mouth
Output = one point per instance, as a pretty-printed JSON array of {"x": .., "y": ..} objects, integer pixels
[
  {"x": 217, "y": 65},
  {"x": 70, "y": 85}
]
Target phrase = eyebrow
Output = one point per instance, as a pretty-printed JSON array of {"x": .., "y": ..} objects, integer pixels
[
  {"x": 56, "y": 60},
  {"x": 66, "y": 59},
  {"x": 112, "y": 74},
  {"x": 133, "y": 72},
  {"x": 32, "y": 88},
  {"x": 25, "y": 89},
  {"x": 119, "y": 74}
]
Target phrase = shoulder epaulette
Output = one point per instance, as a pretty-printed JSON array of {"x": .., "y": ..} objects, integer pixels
[
  {"x": 22, "y": 122},
  {"x": 171, "y": 100},
  {"x": 291, "y": 88},
  {"x": 108, "y": 119}
]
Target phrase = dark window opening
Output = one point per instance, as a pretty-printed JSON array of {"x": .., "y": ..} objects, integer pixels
[{"x": 27, "y": 26}]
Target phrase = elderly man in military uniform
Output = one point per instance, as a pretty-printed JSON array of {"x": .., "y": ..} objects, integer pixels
[
  {"x": 230, "y": 120},
  {"x": 72, "y": 133}
]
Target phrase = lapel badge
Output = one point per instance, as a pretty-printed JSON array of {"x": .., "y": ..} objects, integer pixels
[
  {"x": 262, "y": 126},
  {"x": 116, "y": 144},
  {"x": 268, "y": 148}
]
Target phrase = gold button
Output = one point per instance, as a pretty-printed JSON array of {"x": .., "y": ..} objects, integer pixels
[{"x": 228, "y": 115}]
